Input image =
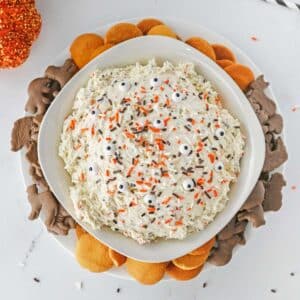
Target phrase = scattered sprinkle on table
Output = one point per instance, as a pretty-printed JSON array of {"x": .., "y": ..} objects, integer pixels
[{"x": 36, "y": 279}]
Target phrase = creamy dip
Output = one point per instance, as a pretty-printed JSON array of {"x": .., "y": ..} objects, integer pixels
[{"x": 150, "y": 150}]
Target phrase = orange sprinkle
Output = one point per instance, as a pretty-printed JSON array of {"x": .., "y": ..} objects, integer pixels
[
  {"x": 178, "y": 223},
  {"x": 293, "y": 187},
  {"x": 196, "y": 196},
  {"x": 144, "y": 110},
  {"x": 117, "y": 116},
  {"x": 167, "y": 200},
  {"x": 82, "y": 177},
  {"x": 72, "y": 124},
  {"x": 215, "y": 193},
  {"x": 93, "y": 130},
  {"x": 143, "y": 190},
  {"x": 160, "y": 144},
  {"x": 211, "y": 157},
  {"x": 151, "y": 209},
  {"x": 168, "y": 221},
  {"x": 168, "y": 103},
  {"x": 210, "y": 177},
  {"x": 162, "y": 88},
  {"x": 121, "y": 210},
  {"x": 83, "y": 130},
  {"x": 155, "y": 98},
  {"x": 167, "y": 81},
  {"x": 130, "y": 171},
  {"x": 107, "y": 173},
  {"x": 155, "y": 130},
  {"x": 200, "y": 181},
  {"x": 93, "y": 101},
  {"x": 166, "y": 120},
  {"x": 129, "y": 135},
  {"x": 108, "y": 138},
  {"x": 200, "y": 147}
]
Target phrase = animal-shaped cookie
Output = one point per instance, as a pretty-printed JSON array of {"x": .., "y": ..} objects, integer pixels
[
  {"x": 223, "y": 253},
  {"x": 62, "y": 74},
  {"x": 41, "y": 92},
  {"x": 273, "y": 196}
]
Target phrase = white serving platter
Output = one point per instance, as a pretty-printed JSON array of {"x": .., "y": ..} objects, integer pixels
[{"x": 184, "y": 30}]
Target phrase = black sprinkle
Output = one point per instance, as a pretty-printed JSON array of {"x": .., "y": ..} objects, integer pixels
[
  {"x": 273, "y": 291},
  {"x": 100, "y": 131},
  {"x": 144, "y": 214},
  {"x": 175, "y": 195},
  {"x": 292, "y": 274},
  {"x": 187, "y": 128},
  {"x": 204, "y": 285},
  {"x": 204, "y": 139},
  {"x": 208, "y": 196},
  {"x": 36, "y": 279},
  {"x": 118, "y": 290}
]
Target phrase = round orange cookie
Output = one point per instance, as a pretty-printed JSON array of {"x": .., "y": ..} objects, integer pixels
[
  {"x": 100, "y": 50},
  {"x": 92, "y": 255},
  {"x": 223, "y": 52},
  {"x": 117, "y": 258},
  {"x": 203, "y": 46},
  {"x": 83, "y": 47},
  {"x": 190, "y": 262},
  {"x": 145, "y": 273},
  {"x": 204, "y": 249},
  {"x": 223, "y": 63},
  {"x": 180, "y": 274},
  {"x": 146, "y": 24},
  {"x": 162, "y": 30},
  {"x": 122, "y": 32},
  {"x": 79, "y": 231},
  {"x": 241, "y": 74}
]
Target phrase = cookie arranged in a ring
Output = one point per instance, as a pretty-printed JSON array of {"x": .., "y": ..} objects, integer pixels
[{"x": 140, "y": 127}]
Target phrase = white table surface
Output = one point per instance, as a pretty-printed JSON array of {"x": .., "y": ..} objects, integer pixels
[{"x": 270, "y": 256}]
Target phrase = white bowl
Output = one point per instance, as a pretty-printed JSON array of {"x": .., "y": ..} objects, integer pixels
[{"x": 142, "y": 49}]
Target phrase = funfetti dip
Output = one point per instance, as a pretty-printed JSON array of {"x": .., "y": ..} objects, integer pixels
[{"x": 150, "y": 150}]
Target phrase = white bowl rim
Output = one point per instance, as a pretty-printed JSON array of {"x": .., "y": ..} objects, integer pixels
[{"x": 256, "y": 126}]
